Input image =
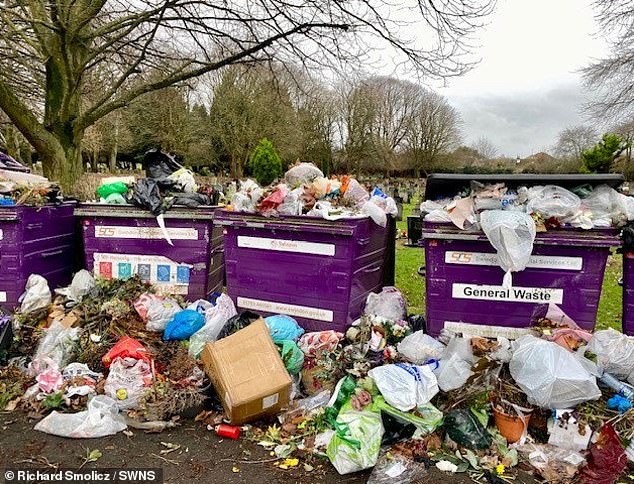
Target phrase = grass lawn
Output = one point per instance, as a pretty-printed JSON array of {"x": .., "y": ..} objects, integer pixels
[{"x": 409, "y": 259}]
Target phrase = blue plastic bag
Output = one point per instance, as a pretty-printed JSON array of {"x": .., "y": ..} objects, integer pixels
[
  {"x": 283, "y": 327},
  {"x": 184, "y": 324}
]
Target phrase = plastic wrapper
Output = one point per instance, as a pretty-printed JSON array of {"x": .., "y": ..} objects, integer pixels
[
  {"x": 394, "y": 468},
  {"x": 462, "y": 213},
  {"x": 184, "y": 324},
  {"x": 104, "y": 191},
  {"x": 552, "y": 463},
  {"x": 99, "y": 420},
  {"x": 437, "y": 216},
  {"x": 282, "y": 327},
  {"x": 551, "y": 376},
  {"x": 83, "y": 282},
  {"x": 607, "y": 459},
  {"x": 356, "y": 193},
  {"x": 126, "y": 381},
  {"x": 292, "y": 356},
  {"x": 114, "y": 199},
  {"x": 47, "y": 375},
  {"x": 615, "y": 353},
  {"x": 465, "y": 429},
  {"x": 272, "y": 201},
  {"x": 57, "y": 344},
  {"x": 313, "y": 343},
  {"x": 608, "y": 207},
  {"x": 357, "y": 440},
  {"x": 388, "y": 304},
  {"x": 156, "y": 311},
  {"x": 419, "y": 347},
  {"x": 216, "y": 318},
  {"x": 302, "y": 173},
  {"x": 425, "y": 418},
  {"x": 553, "y": 201},
  {"x": 37, "y": 294},
  {"x": 512, "y": 235},
  {"x": 126, "y": 347},
  {"x": 184, "y": 180},
  {"x": 405, "y": 386}
]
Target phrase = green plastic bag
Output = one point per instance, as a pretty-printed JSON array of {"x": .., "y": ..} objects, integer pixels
[
  {"x": 108, "y": 189},
  {"x": 426, "y": 418},
  {"x": 357, "y": 440},
  {"x": 292, "y": 356},
  {"x": 464, "y": 428},
  {"x": 345, "y": 387}
]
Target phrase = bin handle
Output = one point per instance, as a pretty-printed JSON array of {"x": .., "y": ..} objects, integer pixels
[
  {"x": 363, "y": 241},
  {"x": 421, "y": 271},
  {"x": 44, "y": 255},
  {"x": 34, "y": 226},
  {"x": 368, "y": 271}
]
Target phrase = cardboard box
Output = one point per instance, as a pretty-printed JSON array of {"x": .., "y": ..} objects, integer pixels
[{"x": 248, "y": 373}]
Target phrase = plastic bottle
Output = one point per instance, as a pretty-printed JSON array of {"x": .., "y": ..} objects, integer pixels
[{"x": 623, "y": 388}]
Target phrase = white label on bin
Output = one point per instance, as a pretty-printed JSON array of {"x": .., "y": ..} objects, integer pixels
[
  {"x": 269, "y": 401},
  {"x": 170, "y": 277},
  {"x": 120, "y": 232},
  {"x": 283, "y": 245},
  {"x": 1, "y": 234},
  {"x": 516, "y": 294},
  {"x": 282, "y": 308},
  {"x": 485, "y": 330},
  {"x": 535, "y": 262},
  {"x": 3, "y": 296}
]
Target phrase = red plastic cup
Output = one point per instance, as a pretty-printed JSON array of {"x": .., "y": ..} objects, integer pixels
[{"x": 229, "y": 431}]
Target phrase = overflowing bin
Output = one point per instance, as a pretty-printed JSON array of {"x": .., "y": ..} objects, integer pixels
[
  {"x": 36, "y": 240},
  {"x": 121, "y": 241},
  {"x": 464, "y": 290},
  {"x": 318, "y": 271}
]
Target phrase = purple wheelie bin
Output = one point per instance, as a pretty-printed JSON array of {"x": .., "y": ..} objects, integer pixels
[
  {"x": 464, "y": 282},
  {"x": 628, "y": 279},
  {"x": 320, "y": 272},
  {"x": 121, "y": 241},
  {"x": 35, "y": 240}
]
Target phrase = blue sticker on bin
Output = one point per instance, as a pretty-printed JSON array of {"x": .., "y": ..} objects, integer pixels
[
  {"x": 144, "y": 271},
  {"x": 125, "y": 270},
  {"x": 162, "y": 273},
  {"x": 182, "y": 275}
]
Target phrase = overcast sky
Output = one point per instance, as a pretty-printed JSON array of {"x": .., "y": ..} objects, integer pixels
[{"x": 526, "y": 89}]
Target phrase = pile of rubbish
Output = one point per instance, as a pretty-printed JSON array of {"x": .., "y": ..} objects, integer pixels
[
  {"x": 99, "y": 356},
  {"x": 511, "y": 219},
  {"x": 167, "y": 184},
  {"x": 20, "y": 187},
  {"x": 306, "y": 191}
]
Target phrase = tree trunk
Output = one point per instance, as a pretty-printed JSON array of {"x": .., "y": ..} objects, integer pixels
[
  {"x": 235, "y": 167},
  {"x": 112, "y": 162}
]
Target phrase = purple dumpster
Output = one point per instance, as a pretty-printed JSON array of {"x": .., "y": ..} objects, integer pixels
[
  {"x": 319, "y": 272},
  {"x": 121, "y": 241},
  {"x": 628, "y": 279},
  {"x": 35, "y": 240},
  {"x": 464, "y": 282}
]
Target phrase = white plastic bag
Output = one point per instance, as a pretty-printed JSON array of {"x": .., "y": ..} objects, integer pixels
[
  {"x": 156, "y": 311},
  {"x": 388, "y": 304},
  {"x": 553, "y": 201},
  {"x": 615, "y": 353},
  {"x": 302, "y": 173},
  {"x": 215, "y": 319},
  {"x": 37, "y": 294},
  {"x": 608, "y": 208},
  {"x": 375, "y": 212},
  {"x": 512, "y": 235},
  {"x": 101, "y": 419},
  {"x": 405, "y": 386},
  {"x": 452, "y": 373},
  {"x": 551, "y": 376},
  {"x": 419, "y": 347},
  {"x": 184, "y": 180},
  {"x": 126, "y": 381},
  {"x": 57, "y": 344},
  {"x": 356, "y": 193},
  {"x": 82, "y": 284}
]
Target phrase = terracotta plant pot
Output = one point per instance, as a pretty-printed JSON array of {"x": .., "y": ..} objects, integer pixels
[{"x": 511, "y": 426}]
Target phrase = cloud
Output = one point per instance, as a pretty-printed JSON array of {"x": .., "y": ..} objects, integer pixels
[{"x": 520, "y": 123}]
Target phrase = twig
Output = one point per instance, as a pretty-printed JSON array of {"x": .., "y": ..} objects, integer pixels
[
  {"x": 250, "y": 461},
  {"x": 169, "y": 461}
]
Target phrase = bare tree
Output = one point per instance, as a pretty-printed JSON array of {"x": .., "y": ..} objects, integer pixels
[
  {"x": 572, "y": 141},
  {"x": 611, "y": 79},
  {"x": 49, "y": 49},
  {"x": 485, "y": 148},
  {"x": 435, "y": 129}
]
